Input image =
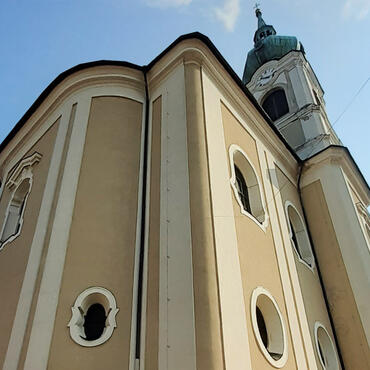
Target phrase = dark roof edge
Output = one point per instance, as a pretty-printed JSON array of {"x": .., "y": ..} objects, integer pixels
[
  {"x": 194, "y": 35},
  {"x": 199, "y": 36},
  {"x": 350, "y": 157},
  {"x": 53, "y": 84}
]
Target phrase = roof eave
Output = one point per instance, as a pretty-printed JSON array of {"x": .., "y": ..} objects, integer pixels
[{"x": 194, "y": 35}]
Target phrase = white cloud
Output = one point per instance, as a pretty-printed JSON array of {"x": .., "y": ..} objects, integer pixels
[
  {"x": 228, "y": 13},
  {"x": 358, "y": 9},
  {"x": 167, "y": 3}
]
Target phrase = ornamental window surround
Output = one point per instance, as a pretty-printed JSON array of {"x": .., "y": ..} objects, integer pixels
[
  {"x": 20, "y": 185},
  {"x": 299, "y": 236},
  {"x": 246, "y": 186},
  {"x": 93, "y": 317}
]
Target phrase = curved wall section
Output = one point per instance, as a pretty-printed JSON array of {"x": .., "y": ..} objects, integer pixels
[
  {"x": 15, "y": 254},
  {"x": 88, "y": 130},
  {"x": 101, "y": 246}
]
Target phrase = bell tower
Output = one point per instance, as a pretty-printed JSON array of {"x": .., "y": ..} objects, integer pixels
[{"x": 283, "y": 82}]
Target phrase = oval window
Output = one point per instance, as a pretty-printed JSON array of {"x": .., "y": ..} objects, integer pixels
[
  {"x": 325, "y": 348},
  {"x": 94, "y": 323},
  {"x": 269, "y": 327}
]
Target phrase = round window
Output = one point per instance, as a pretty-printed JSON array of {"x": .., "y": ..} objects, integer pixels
[
  {"x": 268, "y": 327},
  {"x": 325, "y": 348}
]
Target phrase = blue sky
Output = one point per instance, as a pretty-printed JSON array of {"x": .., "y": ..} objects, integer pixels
[{"x": 41, "y": 38}]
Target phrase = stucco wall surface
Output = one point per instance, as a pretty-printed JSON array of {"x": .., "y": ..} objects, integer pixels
[
  {"x": 103, "y": 232},
  {"x": 14, "y": 255},
  {"x": 315, "y": 306},
  {"x": 258, "y": 261},
  {"x": 351, "y": 336}
]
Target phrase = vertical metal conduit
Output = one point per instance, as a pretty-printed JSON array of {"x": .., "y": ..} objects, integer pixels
[{"x": 143, "y": 217}]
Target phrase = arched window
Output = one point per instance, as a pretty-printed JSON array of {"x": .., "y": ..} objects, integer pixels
[
  {"x": 246, "y": 186},
  {"x": 275, "y": 104},
  {"x": 299, "y": 236},
  {"x": 14, "y": 217}
]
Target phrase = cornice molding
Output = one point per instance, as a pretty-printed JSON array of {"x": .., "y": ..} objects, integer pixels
[
  {"x": 339, "y": 156},
  {"x": 194, "y": 51},
  {"x": 87, "y": 78},
  {"x": 199, "y": 49},
  {"x": 21, "y": 171}
]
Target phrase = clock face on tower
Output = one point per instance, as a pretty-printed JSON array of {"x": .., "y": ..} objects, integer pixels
[{"x": 265, "y": 76}]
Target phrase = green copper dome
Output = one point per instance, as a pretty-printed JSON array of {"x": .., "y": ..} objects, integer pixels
[{"x": 267, "y": 46}]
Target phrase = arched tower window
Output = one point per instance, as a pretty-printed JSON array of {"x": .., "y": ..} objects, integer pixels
[
  {"x": 14, "y": 217},
  {"x": 246, "y": 186},
  {"x": 299, "y": 236},
  {"x": 275, "y": 104}
]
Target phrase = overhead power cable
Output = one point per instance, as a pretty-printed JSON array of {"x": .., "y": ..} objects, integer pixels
[
  {"x": 322, "y": 137},
  {"x": 352, "y": 100}
]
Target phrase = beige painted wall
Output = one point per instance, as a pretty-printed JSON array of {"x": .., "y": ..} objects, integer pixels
[
  {"x": 102, "y": 238},
  {"x": 313, "y": 298},
  {"x": 26, "y": 338},
  {"x": 351, "y": 336},
  {"x": 14, "y": 256},
  {"x": 256, "y": 247}
]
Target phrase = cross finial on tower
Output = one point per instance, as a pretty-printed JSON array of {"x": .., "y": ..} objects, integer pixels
[{"x": 257, "y": 9}]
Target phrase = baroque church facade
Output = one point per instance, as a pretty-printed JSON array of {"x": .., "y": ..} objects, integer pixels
[{"x": 173, "y": 216}]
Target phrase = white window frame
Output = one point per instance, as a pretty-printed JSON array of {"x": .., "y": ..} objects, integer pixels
[
  {"x": 304, "y": 230},
  {"x": 334, "y": 354},
  {"x": 261, "y": 219},
  {"x": 23, "y": 171}
]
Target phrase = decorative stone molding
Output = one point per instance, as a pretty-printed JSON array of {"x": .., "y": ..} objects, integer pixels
[
  {"x": 86, "y": 299},
  {"x": 259, "y": 214},
  {"x": 303, "y": 250},
  {"x": 13, "y": 221},
  {"x": 23, "y": 170},
  {"x": 363, "y": 212}
]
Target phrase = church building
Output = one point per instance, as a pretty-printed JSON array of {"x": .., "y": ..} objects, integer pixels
[{"x": 174, "y": 216}]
